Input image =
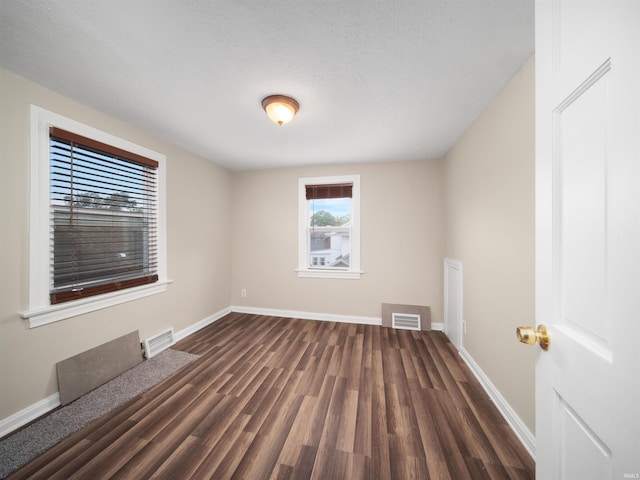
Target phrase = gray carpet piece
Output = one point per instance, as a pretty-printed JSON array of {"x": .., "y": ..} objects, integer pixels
[{"x": 26, "y": 444}]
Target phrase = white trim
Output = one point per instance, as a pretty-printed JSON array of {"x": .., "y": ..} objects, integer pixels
[
  {"x": 455, "y": 265},
  {"x": 515, "y": 422},
  {"x": 185, "y": 332},
  {"x": 53, "y": 313},
  {"x": 354, "y": 271},
  {"x": 40, "y": 311},
  {"x": 326, "y": 317},
  {"x": 28, "y": 414},
  {"x": 44, "y": 406},
  {"x": 319, "y": 273}
]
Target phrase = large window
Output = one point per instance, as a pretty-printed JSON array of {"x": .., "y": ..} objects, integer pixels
[
  {"x": 97, "y": 234},
  {"x": 103, "y": 217},
  {"x": 329, "y": 227}
]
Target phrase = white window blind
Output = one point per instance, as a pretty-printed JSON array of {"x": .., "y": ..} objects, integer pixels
[{"x": 103, "y": 227}]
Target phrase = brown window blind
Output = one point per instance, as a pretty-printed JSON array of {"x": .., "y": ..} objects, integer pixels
[
  {"x": 92, "y": 144},
  {"x": 103, "y": 203},
  {"x": 341, "y": 190}
]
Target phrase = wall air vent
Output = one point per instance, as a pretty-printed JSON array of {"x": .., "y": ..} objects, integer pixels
[
  {"x": 405, "y": 321},
  {"x": 155, "y": 344}
]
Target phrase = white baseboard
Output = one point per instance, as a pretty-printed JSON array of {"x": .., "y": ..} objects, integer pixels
[
  {"x": 28, "y": 414},
  {"x": 437, "y": 326},
  {"x": 185, "y": 332},
  {"x": 327, "y": 317},
  {"x": 515, "y": 422},
  {"x": 32, "y": 412}
]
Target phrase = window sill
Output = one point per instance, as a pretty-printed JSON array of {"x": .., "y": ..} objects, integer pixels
[
  {"x": 318, "y": 273},
  {"x": 53, "y": 313}
]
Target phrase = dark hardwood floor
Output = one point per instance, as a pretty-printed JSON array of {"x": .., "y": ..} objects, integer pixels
[{"x": 275, "y": 398}]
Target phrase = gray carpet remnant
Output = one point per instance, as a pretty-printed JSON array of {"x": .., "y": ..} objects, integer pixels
[{"x": 26, "y": 444}]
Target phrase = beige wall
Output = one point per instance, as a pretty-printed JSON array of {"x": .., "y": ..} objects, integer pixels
[
  {"x": 401, "y": 248},
  {"x": 198, "y": 218},
  {"x": 490, "y": 228},
  {"x": 232, "y": 231}
]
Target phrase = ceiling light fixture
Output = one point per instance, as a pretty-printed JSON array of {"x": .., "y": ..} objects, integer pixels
[{"x": 280, "y": 108}]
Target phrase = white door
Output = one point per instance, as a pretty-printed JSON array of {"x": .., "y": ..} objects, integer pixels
[
  {"x": 453, "y": 301},
  {"x": 588, "y": 238}
]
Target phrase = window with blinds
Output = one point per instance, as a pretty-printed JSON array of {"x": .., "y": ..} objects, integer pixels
[
  {"x": 329, "y": 227},
  {"x": 103, "y": 211},
  {"x": 341, "y": 190}
]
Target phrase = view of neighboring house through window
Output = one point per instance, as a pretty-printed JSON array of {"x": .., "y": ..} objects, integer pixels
[
  {"x": 103, "y": 218},
  {"x": 329, "y": 227}
]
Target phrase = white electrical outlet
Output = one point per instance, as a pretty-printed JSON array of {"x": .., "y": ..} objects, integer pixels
[
  {"x": 464, "y": 327},
  {"x": 243, "y": 292}
]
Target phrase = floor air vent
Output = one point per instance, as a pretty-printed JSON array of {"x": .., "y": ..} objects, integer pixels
[
  {"x": 155, "y": 344},
  {"x": 405, "y": 321}
]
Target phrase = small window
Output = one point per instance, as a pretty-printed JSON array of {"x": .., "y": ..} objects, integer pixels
[{"x": 329, "y": 234}]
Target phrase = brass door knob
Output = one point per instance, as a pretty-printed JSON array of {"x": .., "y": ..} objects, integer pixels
[{"x": 530, "y": 336}]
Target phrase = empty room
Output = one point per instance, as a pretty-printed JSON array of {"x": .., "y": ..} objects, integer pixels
[{"x": 319, "y": 240}]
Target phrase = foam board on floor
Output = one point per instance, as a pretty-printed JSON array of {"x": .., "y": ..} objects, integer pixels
[{"x": 82, "y": 373}]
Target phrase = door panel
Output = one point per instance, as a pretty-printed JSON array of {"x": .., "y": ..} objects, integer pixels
[
  {"x": 584, "y": 454},
  {"x": 588, "y": 238},
  {"x": 573, "y": 51},
  {"x": 453, "y": 301},
  {"x": 581, "y": 186}
]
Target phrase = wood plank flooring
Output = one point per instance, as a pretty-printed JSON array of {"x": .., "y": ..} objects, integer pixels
[{"x": 276, "y": 398}]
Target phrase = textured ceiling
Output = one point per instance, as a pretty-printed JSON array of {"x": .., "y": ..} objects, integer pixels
[{"x": 376, "y": 80}]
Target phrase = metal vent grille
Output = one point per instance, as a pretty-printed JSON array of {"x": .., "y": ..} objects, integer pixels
[
  {"x": 405, "y": 321},
  {"x": 157, "y": 343}
]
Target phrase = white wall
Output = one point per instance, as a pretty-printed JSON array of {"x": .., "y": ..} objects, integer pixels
[
  {"x": 490, "y": 228},
  {"x": 198, "y": 219}
]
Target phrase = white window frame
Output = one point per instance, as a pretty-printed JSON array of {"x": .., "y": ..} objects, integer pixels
[
  {"x": 40, "y": 310},
  {"x": 304, "y": 271}
]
